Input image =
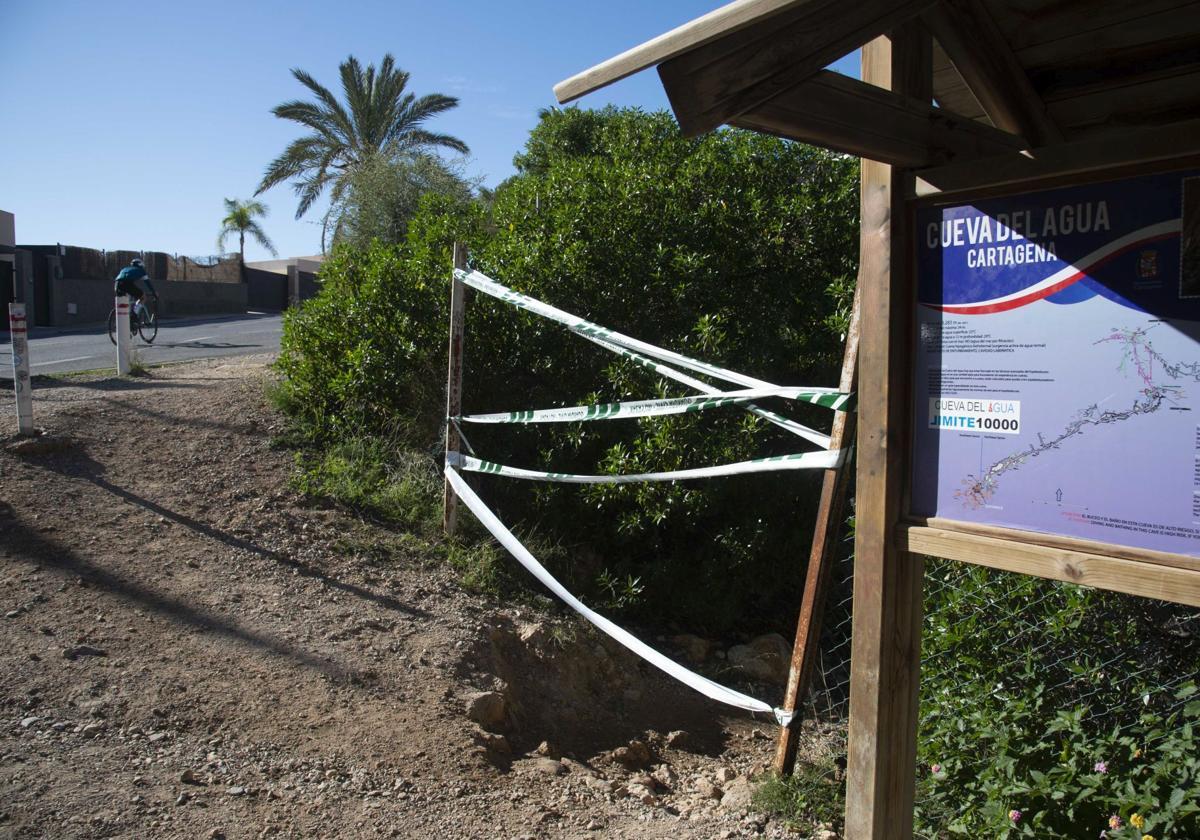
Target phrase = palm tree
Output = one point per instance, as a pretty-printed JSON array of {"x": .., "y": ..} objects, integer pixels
[
  {"x": 239, "y": 219},
  {"x": 378, "y": 120}
]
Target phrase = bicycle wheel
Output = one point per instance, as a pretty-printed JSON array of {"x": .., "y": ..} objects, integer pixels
[
  {"x": 148, "y": 325},
  {"x": 112, "y": 326}
]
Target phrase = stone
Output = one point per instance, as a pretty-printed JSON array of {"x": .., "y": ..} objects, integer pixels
[
  {"x": 664, "y": 776},
  {"x": 767, "y": 658},
  {"x": 548, "y": 766},
  {"x": 92, "y": 730},
  {"x": 236, "y": 790},
  {"x": 576, "y": 767},
  {"x": 157, "y": 736},
  {"x": 549, "y": 750},
  {"x": 493, "y": 743},
  {"x": 694, "y": 648},
  {"x": 77, "y": 651},
  {"x": 634, "y": 756},
  {"x": 725, "y": 775},
  {"x": 825, "y": 834},
  {"x": 183, "y": 798},
  {"x": 678, "y": 740},
  {"x": 642, "y": 793},
  {"x": 708, "y": 790},
  {"x": 738, "y": 795},
  {"x": 532, "y": 634},
  {"x": 29, "y": 721},
  {"x": 601, "y": 786},
  {"x": 646, "y": 781},
  {"x": 487, "y": 708},
  {"x": 188, "y": 777}
]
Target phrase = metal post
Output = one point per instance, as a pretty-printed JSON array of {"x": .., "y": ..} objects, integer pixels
[
  {"x": 19, "y": 333},
  {"x": 454, "y": 381},
  {"x": 123, "y": 337}
]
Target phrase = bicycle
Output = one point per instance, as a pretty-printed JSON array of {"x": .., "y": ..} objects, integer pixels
[{"x": 144, "y": 323}]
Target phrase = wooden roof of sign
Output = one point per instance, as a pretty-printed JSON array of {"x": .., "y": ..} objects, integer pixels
[{"x": 1010, "y": 76}]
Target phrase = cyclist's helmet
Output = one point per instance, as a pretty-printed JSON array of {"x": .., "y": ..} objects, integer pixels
[{"x": 136, "y": 262}]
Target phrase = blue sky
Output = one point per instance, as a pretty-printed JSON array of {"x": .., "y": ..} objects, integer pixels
[{"x": 131, "y": 121}]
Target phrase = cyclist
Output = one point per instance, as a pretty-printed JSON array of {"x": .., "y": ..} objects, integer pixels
[{"x": 126, "y": 284}]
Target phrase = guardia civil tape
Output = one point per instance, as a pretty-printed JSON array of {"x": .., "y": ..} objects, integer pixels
[
  {"x": 705, "y": 686},
  {"x": 581, "y": 326},
  {"x": 800, "y": 461},
  {"x": 631, "y": 347},
  {"x": 819, "y": 438},
  {"x": 661, "y": 407}
]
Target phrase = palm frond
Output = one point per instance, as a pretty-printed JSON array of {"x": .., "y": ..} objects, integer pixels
[
  {"x": 419, "y": 138},
  {"x": 334, "y": 108},
  {"x": 300, "y": 155},
  {"x": 261, "y": 237}
]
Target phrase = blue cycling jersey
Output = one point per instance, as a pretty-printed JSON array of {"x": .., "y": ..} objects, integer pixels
[{"x": 133, "y": 273}]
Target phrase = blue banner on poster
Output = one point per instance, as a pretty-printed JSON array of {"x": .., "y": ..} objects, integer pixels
[{"x": 1057, "y": 379}]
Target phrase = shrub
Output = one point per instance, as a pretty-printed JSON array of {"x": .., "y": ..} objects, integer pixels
[{"x": 734, "y": 247}]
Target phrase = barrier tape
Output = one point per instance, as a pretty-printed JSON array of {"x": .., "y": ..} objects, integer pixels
[
  {"x": 705, "y": 686},
  {"x": 581, "y": 326},
  {"x": 775, "y": 463},
  {"x": 657, "y": 408},
  {"x": 631, "y": 347},
  {"x": 812, "y": 435}
]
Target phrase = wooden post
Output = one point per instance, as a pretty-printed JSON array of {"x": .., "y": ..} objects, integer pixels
[
  {"x": 886, "y": 648},
  {"x": 822, "y": 555},
  {"x": 454, "y": 381}
]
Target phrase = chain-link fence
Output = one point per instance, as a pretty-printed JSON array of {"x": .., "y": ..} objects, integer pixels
[{"x": 1047, "y": 709}]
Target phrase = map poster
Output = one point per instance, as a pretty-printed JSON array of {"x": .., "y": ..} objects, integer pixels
[{"x": 1057, "y": 362}]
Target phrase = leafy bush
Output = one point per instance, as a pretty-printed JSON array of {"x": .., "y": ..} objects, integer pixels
[
  {"x": 734, "y": 247},
  {"x": 1068, "y": 705}
]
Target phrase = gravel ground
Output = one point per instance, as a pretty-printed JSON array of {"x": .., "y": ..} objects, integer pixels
[{"x": 190, "y": 649}]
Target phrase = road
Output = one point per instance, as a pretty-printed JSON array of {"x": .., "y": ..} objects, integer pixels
[{"x": 179, "y": 339}]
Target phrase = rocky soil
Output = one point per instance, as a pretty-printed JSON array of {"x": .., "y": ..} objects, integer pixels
[{"x": 191, "y": 649}]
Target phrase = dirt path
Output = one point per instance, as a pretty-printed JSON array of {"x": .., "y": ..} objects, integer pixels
[{"x": 191, "y": 650}]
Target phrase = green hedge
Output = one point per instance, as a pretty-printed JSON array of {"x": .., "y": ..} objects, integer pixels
[{"x": 734, "y": 247}]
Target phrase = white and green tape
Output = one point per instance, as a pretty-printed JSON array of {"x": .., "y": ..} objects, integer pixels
[
  {"x": 658, "y": 408},
  {"x": 699, "y": 683},
  {"x": 776, "y": 463},
  {"x": 785, "y": 423},
  {"x": 637, "y": 350},
  {"x": 581, "y": 326}
]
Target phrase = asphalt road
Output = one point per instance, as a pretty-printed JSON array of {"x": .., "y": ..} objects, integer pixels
[{"x": 63, "y": 351}]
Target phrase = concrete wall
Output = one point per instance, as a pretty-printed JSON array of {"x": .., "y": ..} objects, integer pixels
[
  {"x": 266, "y": 291},
  {"x": 79, "y": 300},
  {"x": 67, "y": 285},
  {"x": 85, "y": 301},
  {"x": 178, "y": 298}
]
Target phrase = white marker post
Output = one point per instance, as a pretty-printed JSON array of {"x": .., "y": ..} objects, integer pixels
[
  {"x": 19, "y": 333},
  {"x": 123, "y": 338}
]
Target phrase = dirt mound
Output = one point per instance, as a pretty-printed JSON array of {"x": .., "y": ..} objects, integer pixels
[{"x": 190, "y": 649}]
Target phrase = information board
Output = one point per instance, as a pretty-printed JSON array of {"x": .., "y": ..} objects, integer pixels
[{"x": 1057, "y": 362}]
